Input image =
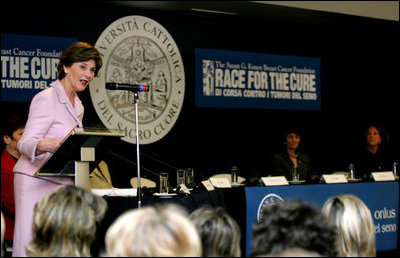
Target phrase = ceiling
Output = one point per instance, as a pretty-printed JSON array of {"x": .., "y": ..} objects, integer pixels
[{"x": 386, "y": 10}]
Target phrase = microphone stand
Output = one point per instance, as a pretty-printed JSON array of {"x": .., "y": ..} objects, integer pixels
[{"x": 139, "y": 186}]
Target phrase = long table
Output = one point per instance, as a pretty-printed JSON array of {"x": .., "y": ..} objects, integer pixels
[
  {"x": 232, "y": 199},
  {"x": 382, "y": 198},
  {"x": 243, "y": 204}
]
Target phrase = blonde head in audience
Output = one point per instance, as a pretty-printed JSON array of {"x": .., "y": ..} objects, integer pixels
[
  {"x": 64, "y": 223},
  {"x": 219, "y": 232},
  {"x": 161, "y": 231},
  {"x": 355, "y": 227}
]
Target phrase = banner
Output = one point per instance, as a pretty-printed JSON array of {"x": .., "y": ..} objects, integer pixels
[
  {"x": 382, "y": 199},
  {"x": 29, "y": 64},
  {"x": 231, "y": 79}
]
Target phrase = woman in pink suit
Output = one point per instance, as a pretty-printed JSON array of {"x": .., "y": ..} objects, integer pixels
[{"x": 53, "y": 113}]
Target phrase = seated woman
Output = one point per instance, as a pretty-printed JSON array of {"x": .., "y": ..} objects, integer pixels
[
  {"x": 12, "y": 131},
  {"x": 375, "y": 155},
  {"x": 291, "y": 158}
]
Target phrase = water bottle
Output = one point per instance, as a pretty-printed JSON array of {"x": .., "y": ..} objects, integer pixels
[
  {"x": 351, "y": 170},
  {"x": 394, "y": 169}
]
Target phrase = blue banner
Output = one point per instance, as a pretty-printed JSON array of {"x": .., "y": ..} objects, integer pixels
[
  {"x": 29, "y": 64},
  {"x": 232, "y": 79},
  {"x": 382, "y": 198}
]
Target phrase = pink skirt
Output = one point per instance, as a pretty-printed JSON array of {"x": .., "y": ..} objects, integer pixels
[{"x": 29, "y": 190}]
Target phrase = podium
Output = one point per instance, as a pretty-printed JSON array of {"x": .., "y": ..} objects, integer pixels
[{"x": 72, "y": 158}]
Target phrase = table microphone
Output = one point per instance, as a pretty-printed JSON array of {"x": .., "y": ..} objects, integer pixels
[{"x": 126, "y": 86}]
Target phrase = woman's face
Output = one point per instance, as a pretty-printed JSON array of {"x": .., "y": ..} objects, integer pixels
[
  {"x": 292, "y": 140},
  {"x": 373, "y": 136},
  {"x": 80, "y": 74},
  {"x": 13, "y": 142}
]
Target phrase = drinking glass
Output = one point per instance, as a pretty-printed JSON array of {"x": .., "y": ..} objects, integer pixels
[
  {"x": 190, "y": 178},
  {"x": 295, "y": 173},
  {"x": 234, "y": 174},
  {"x": 164, "y": 183},
  {"x": 180, "y": 177}
]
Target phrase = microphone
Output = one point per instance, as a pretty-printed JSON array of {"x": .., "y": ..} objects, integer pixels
[{"x": 125, "y": 86}]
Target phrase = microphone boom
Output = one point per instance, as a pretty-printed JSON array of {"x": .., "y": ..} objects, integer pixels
[{"x": 125, "y": 86}]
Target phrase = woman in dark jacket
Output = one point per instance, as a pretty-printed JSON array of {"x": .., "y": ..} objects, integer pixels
[{"x": 290, "y": 159}]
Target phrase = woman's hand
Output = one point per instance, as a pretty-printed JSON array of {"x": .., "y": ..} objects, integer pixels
[{"x": 48, "y": 145}]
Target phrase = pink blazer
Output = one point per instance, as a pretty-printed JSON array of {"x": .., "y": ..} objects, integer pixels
[{"x": 51, "y": 115}]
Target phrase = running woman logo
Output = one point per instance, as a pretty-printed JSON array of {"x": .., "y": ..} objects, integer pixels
[
  {"x": 269, "y": 199},
  {"x": 208, "y": 78},
  {"x": 138, "y": 50}
]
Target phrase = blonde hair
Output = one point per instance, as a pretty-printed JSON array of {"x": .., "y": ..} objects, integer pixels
[
  {"x": 3, "y": 230},
  {"x": 153, "y": 231},
  {"x": 355, "y": 227},
  {"x": 64, "y": 223},
  {"x": 219, "y": 232}
]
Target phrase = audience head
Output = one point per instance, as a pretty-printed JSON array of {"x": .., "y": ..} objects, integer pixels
[
  {"x": 292, "y": 225},
  {"x": 64, "y": 222},
  {"x": 355, "y": 227},
  {"x": 3, "y": 230},
  {"x": 295, "y": 252},
  {"x": 219, "y": 232},
  {"x": 153, "y": 231},
  {"x": 12, "y": 131}
]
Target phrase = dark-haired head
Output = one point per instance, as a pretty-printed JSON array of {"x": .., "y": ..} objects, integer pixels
[
  {"x": 292, "y": 224},
  {"x": 13, "y": 122}
]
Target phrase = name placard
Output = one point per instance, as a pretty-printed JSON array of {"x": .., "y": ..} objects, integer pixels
[
  {"x": 383, "y": 176},
  {"x": 220, "y": 182},
  {"x": 207, "y": 184},
  {"x": 334, "y": 179},
  {"x": 274, "y": 180}
]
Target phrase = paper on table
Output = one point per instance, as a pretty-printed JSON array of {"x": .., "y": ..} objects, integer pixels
[{"x": 116, "y": 192}]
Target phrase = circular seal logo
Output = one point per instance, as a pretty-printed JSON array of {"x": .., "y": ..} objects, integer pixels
[
  {"x": 266, "y": 201},
  {"x": 138, "y": 50}
]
